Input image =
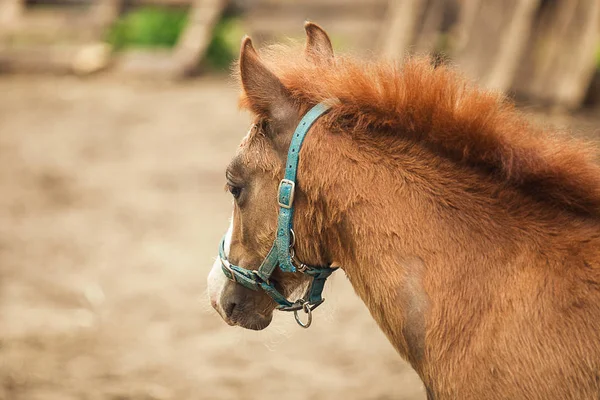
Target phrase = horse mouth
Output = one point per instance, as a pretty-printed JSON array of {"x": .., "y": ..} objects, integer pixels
[
  {"x": 255, "y": 322},
  {"x": 245, "y": 317}
]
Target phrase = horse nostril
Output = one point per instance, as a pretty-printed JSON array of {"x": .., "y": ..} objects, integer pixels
[{"x": 229, "y": 307}]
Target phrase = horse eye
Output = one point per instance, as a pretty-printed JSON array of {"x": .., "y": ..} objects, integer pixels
[{"x": 235, "y": 191}]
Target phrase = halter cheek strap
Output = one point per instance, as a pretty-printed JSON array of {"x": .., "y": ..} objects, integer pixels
[{"x": 282, "y": 252}]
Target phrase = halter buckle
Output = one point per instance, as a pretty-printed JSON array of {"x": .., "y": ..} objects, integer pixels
[{"x": 285, "y": 195}]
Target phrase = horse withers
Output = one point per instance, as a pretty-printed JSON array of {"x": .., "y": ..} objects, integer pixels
[{"x": 472, "y": 236}]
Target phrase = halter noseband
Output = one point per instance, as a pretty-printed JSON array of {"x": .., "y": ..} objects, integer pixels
[{"x": 282, "y": 253}]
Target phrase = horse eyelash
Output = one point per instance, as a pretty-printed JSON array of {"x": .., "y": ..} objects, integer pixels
[
  {"x": 229, "y": 187},
  {"x": 261, "y": 127}
]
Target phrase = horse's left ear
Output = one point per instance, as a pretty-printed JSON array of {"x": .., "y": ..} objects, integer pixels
[
  {"x": 318, "y": 45},
  {"x": 265, "y": 93}
]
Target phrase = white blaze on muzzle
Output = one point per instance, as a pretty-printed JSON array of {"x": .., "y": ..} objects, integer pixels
[{"x": 216, "y": 279}]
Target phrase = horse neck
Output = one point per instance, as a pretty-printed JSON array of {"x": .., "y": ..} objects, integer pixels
[{"x": 404, "y": 227}]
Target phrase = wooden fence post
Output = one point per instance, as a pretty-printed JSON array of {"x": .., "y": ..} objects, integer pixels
[
  {"x": 10, "y": 12},
  {"x": 191, "y": 46},
  {"x": 428, "y": 35},
  {"x": 491, "y": 39},
  {"x": 399, "y": 30},
  {"x": 560, "y": 61},
  {"x": 106, "y": 11},
  {"x": 197, "y": 35}
]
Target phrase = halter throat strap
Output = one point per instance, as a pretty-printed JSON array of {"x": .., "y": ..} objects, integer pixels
[{"x": 282, "y": 252}]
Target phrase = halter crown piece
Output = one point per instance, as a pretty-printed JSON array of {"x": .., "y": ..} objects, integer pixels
[{"x": 282, "y": 253}]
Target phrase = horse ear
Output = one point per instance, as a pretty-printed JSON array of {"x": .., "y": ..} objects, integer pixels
[
  {"x": 318, "y": 45},
  {"x": 266, "y": 94}
]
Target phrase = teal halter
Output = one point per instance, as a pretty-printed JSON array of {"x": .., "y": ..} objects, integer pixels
[{"x": 282, "y": 253}]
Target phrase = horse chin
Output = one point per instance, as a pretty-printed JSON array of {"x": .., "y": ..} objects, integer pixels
[{"x": 255, "y": 322}]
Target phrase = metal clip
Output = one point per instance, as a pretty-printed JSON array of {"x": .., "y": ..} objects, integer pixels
[
  {"x": 227, "y": 266},
  {"x": 300, "y": 266}
]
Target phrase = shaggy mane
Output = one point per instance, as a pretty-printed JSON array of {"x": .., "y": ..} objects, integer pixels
[{"x": 441, "y": 109}]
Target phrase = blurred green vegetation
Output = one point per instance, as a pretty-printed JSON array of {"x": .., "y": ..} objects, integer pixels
[
  {"x": 155, "y": 26},
  {"x": 161, "y": 27},
  {"x": 147, "y": 27},
  {"x": 225, "y": 44}
]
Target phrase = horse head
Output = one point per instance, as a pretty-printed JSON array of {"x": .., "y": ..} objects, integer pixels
[{"x": 253, "y": 177}]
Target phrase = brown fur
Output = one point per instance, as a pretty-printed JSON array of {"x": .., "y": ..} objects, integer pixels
[{"x": 472, "y": 237}]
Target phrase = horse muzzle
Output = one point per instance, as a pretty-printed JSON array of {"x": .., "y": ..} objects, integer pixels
[{"x": 237, "y": 305}]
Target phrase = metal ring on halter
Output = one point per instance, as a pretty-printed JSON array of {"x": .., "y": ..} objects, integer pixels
[
  {"x": 300, "y": 266},
  {"x": 293, "y": 235},
  {"x": 307, "y": 310}
]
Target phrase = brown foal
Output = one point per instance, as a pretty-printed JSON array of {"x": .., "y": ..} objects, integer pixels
[{"x": 472, "y": 236}]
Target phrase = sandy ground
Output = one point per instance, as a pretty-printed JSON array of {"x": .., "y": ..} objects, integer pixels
[{"x": 111, "y": 210}]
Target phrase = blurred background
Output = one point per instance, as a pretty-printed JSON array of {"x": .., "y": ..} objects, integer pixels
[{"x": 117, "y": 118}]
